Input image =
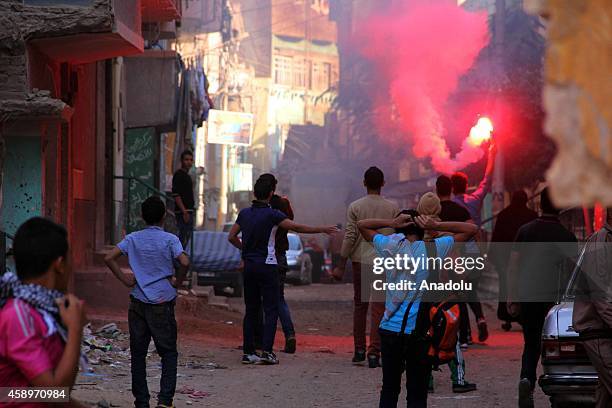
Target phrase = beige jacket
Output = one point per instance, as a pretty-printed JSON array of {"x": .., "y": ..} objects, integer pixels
[
  {"x": 370, "y": 206},
  {"x": 592, "y": 314}
]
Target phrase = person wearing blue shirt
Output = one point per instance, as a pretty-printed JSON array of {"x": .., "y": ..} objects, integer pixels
[
  {"x": 402, "y": 346},
  {"x": 151, "y": 254},
  {"x": 258, "y": 225}
]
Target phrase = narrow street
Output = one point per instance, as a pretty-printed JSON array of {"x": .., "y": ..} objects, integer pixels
[{"x": 320, "y": 374}]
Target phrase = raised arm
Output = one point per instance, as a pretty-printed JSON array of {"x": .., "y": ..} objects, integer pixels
[
  {"x": 306, "y": 229},
  {"x": 485, "y": 185},
  {"x": 369, "y": 228},
  {"x": 462, "y": 231}
]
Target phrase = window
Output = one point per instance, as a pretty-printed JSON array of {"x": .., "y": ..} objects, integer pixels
[
  {"x": 295, "y": 244},
  {"x": 321, "y": 75},
  {"x": 282, "y": 70},
  {"x": 301, "y": 72}
]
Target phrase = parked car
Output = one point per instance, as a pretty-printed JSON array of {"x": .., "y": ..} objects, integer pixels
[
  {"x": 569, "y": 378},
  {"x": 216, "y": 262},
  {"x": 299, "y": 262}
]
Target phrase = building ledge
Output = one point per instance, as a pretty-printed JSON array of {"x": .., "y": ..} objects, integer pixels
[{"x": 37, "y": 105}]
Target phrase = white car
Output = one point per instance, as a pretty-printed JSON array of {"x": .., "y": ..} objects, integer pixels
[
  {"x": 569, "y": 378},
  {"x": 299, "y": 262}
]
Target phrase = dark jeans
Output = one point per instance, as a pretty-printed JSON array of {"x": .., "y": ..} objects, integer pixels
[
  {"x": 399, "y": 354},
  {"x": 532, "y": 317},
  {"x": 260, "y": 289},
  {"x": 185, "y": 229},
  {"x": 600, "y": 354},
  {"x": 361, "y": 303},
  {"x": 465, "y": 330},
  {"x": 155, "y": 321},
  {"x": 284, "y": 315}
]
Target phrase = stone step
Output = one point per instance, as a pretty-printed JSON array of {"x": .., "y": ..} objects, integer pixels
[{"x": 100, "y": 290}]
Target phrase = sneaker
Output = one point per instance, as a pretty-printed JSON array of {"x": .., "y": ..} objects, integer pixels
[
  {"x": 290, "y": 345},
  {"x": 464, "y": 346},
  {"x": 483, "y": 332},
  {"x": 373, "y": 361},
  {"x": 164, "y": 406},
  {"x": 525, "y": 394},
  {"x": 506, "y": 326},
  {"x": 465, "y": 387},
  {"x": 359, "y": 357},
  {"x": 268, "y": 358},
  {"x": 250, "y": 358}
]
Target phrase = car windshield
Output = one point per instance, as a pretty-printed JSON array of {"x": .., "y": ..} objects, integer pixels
[
  {"x": 294, "y": 242},
  {"x": 570, "y": 291}
]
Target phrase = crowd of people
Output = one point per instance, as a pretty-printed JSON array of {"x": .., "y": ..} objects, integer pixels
[{"x": 41, "y": 326}]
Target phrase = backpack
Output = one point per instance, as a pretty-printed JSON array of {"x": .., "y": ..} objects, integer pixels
[
  {"x": 440, "y": 323},
  {"x": 442, "y": 332},
  {"x": 437, "y": 322}
]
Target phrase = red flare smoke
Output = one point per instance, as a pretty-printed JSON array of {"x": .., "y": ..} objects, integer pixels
[{"x": 420, "y": 48}]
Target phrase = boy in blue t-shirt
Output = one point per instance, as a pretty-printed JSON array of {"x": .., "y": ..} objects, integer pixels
[
  {"x": 151, "y": 254},
  {"x": 401, "y": 349},
  {"x": 258, "y": 225}
]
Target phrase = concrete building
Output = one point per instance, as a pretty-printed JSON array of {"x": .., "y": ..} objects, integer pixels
[
  {"x": 292, "y": 47},
  {"x": 77, "y": 79},
  {"x": 56, "y": 106}
]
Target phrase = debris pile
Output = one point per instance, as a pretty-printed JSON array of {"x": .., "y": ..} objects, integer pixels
[{"x": 105, "y": 345}]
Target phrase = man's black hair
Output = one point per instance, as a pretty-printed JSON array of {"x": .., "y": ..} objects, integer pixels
[
  {"x": 153, "y": 210},
  {"x": 546, "y": 203},
  {"x": 262, "y": 189},
  {"x": 411, "y": 229},
  {"x": 186, "y": 152},
  {"x": 270, "y": 178},
  {"x": 38, "y": 243},
  {"x": 519, "y": 198},
  {"x": 444, "y": 186},
  {"x": 460, "y": 182},
  {"x": 374, "y": 178}
]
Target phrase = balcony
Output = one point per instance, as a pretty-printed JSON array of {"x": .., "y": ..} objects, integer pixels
[
  {"x": 152, "y": 89},
  {"x": 83, "y": 31},
  {"x": 160, "y": 10}
]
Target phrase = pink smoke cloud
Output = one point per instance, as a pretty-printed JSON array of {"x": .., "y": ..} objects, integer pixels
[{"x": 420, "y": 49}]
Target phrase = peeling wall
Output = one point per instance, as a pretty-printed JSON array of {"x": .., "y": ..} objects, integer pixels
[{"x": 22, "y": 187}]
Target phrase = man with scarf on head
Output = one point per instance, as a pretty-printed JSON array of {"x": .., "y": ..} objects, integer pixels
[{"x": 40, "y": 326}]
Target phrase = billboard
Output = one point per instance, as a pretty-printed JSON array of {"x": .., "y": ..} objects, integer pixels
[{"x": 230, "y": 128}]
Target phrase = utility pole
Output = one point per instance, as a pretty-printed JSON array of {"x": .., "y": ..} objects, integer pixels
[
  {"x": 306, "y": 67},
  {"x": 498, "y": 201}
]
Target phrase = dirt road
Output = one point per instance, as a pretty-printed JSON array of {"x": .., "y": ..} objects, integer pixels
[{"x": 319, "y": 375}]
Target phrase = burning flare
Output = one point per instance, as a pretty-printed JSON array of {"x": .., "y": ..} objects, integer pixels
[{"x": 481, "y": 131}]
